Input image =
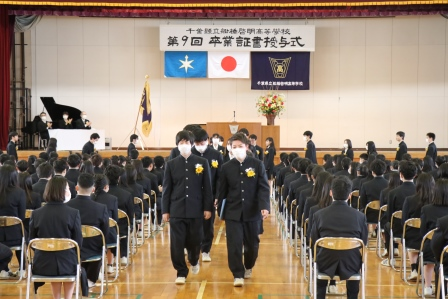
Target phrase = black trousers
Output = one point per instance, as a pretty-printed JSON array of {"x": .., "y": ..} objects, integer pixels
[
  {"x": 209, "y": 233},
  {"x": 5, "y": 257},
  {"x": 352, "y": 289},
  {"x": 185, "y": 233},
  {"x": 92, "y": 270},
  {"x": 387, "y": 236},
  {"x": 241, "y": 233}
]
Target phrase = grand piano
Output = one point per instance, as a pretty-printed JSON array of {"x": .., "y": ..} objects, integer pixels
[{"x": 67, "y": 139}]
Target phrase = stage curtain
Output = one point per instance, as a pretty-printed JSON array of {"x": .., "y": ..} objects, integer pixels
[
  {"x": 24, "y": 23},
  {"x": 6, "y": 31}
]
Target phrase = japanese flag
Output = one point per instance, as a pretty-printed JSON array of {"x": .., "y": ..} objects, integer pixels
[{"x": 228, "y": 64}]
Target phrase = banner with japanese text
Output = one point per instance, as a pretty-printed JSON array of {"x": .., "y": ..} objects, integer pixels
[
  {"x": 280, "y": 70},
  {"x": 250, "y": 38}
]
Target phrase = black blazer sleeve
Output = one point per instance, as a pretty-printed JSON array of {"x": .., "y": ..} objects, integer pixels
[
  {"x": 350, "y": 153},
  {"x": 263, "y": 189},
  {"x": 76, "y": 230},
  {"x": 207, "y": 193},
  {"x": 167, "y": 188}
]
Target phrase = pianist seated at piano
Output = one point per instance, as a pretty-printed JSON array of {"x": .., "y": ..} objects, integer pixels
[
  {"x": 83, "y": 122},
  {"x": 66, "y": 121},
  {"x": 43, "y": 126}
]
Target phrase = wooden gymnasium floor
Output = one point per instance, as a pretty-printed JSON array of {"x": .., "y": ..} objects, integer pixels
[{"x": 277, "y": 274}]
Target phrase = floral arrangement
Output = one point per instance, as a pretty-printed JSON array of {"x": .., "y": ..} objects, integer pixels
[
  {"x": 199, "y": 169},
  {"x": 214, "y": 164},
  {"x": 272, "y": 103},
  {"x": 250, "y": 172}
]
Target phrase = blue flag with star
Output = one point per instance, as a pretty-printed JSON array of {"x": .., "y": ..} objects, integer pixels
[{"x": 183, "y": 64}]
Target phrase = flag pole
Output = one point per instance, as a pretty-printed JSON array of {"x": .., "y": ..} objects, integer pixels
[{"x": 139, "y": 106}]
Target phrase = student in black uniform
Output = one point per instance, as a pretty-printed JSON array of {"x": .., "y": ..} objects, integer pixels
[
  {"x": 60, "y": 169},
  {"x": 42, "y": 128},
  {"x": 269, "y": 157},
  {"x": 175, "y": 151},
  {"x": 72, "y": 174},
  {"x": 243, "y": 183},
  {"x": 89, "y": 147},
  {"x": 402, "y": 147},
  {"x": 45, "y": 172},
  {"x": 345, "y": 164},
  {"x": 371, "y": 148},
  {"x": 228, "y": 155},
  {"x": 295, "y": 175},
  {"x": 395, "y": 201},
  {"x": 56, "y": 220},
  {"x": 258, "y": 149},
  {"x": 133, "y": 141},
  {"x": 310, "y": 148},
  {"x": 214, "y": 159},
  {"x": 431, "y": 150},
  {"x": 187, "y": 198},
  {"x": 348, "y": 150},
  {"x": 11, "y": 148},
  {"x": 65, "y": 122},
  {"x": 371, "y": 190},
  {"x": 339, "y": 220},
  {"x": 438, "y": 243},
  {"x": 215, "y": 144}
]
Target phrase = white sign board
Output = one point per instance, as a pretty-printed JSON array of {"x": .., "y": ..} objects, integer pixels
[{"x": 249, "y": 38}]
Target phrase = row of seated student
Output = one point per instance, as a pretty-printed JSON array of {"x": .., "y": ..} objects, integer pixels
[
  {"x": 418, "y": 188},
  {"x": 115, "y": 189}
]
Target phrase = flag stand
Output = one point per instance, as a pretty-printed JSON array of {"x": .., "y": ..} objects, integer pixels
[{"x": 134, "y": 130}]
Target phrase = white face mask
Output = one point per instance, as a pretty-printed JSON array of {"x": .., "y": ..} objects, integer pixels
[
  {"x": 345, "y": 145},
  {"x": 201, "y": 148},
  {"x": 84, "y": 116},
  {"x": 427, "y": 140},
  {"x": 239, "y": 153},
  {"x": 65, "y": 116},
  {"x": 215, "y": 141},
  {"x": 44, "y": 118},
  {"x": 304, "y": 138},
  {"x": 184, "y": 149},
  {"x": 229, "y": 147},
  {"x": 367, "y": 148}
]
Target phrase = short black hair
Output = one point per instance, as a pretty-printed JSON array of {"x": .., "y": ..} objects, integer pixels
[
  {"x": 12, "y": 134},
  {"x": 364, "y": 156},
  {"x": 37, "y": 162},
  {"x": 4, "y": 158},
  {"x": 200, "y": 135},
  {"x": 295, "y": 163},
  {"x": 283, "y": 157},
  {"x": 244, "y": 131},
  {"x": 341, "y": 187},
  {"x": 53, "y": 155},
  {"x": 215, "y": 135},
  {"x": 86, "y": 180},
  {"x": 253, "y": 136},
  {"x": 378, "y": 167},
  {"x": 191, "y": 127},
  {"x": 73, "y": 160},
  {"x": 406, "y": 157},
  {"x": 316, "y": 170},
  {"x": 22, "y": 165},
  {"x": 240, "y": 136},
  {"x": 381, "y": 157},
  {"x": 363, "y": 170},
  {"x": 292, "y": 156},
  {"x": 408, "y": 169},
  {"x": 44, "y": 155},
  {"x": 401, "y": 134},
  {"x": 133, "y": 136},
  {"x": 113, "y": 173},
  {"x": 134, "y": 154},
  {"x": 440, "y": 160},
  {"x": 159, "y": 161},
  {"x": 395, "y": 164},
  {"x": 45, "y": 170},
  {"x": 59, "y": 166},
  {"x": 303, "y": 165},
  {"x": 146, "y": 161},
  {"x": 345, "y": 163},
  {"x": 184, "y": 135},
  {"x": 94, "y": 136},
  {"x": 430, "y": 135},
  {"x": 308, "y": 133}
]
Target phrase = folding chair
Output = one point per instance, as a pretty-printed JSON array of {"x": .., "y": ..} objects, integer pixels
[
  {"x": 90, "y": 232},
  {"x": 292, "y": 223},
  {"x": 421, "y": 277},
  {"x": 122, "y": 215},
  {"x": 410, "y": 223},
  {"x": 339, "y": 244},
  {"x": 153, "y": 203},
  {"x": 113, "y": 223},
  {"x": 373, "y": 205},
  {"x": 379, "y": 240},
  {"x": 442, "y": 278},
  {"x": 355, "y": 193},
  {"x": 304, "y": 249},
  {"x": 297, "y": 235},
  {"x": 138, "y": 241},
  {"x": 53, "y": 245},
  {"x": 396, "y": 216},
  {"x": 147, "y": 216},
  {"x": 8, "y": 221}
]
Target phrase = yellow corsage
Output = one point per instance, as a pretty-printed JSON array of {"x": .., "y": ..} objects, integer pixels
[
  {"x": 258, "y": 152},
  {"x": 214, "y": 164},
  {"x": 250, "y": 172},
  {"x": 221, "y": 152},
  {"x": 426, "y": 149},
  {"x": 398, "y": 148},
  {"x": 199, "y": 169},
  {"x": 305, "y": 149},
  {"x": 266, "y": 152}
]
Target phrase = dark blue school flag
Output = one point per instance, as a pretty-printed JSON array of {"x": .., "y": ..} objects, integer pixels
[
  {"x": 185, "y": 64},
  {"x": 281, "y": 70}
]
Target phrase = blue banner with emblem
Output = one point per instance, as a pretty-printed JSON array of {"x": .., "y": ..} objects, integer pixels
[{"x": 280, "y": 70}]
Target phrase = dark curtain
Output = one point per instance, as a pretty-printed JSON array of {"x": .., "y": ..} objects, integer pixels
[{"x": 6, "y": 31}]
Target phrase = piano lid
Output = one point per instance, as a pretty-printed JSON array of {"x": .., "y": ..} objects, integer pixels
[{"x": 55, "y": 111}]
